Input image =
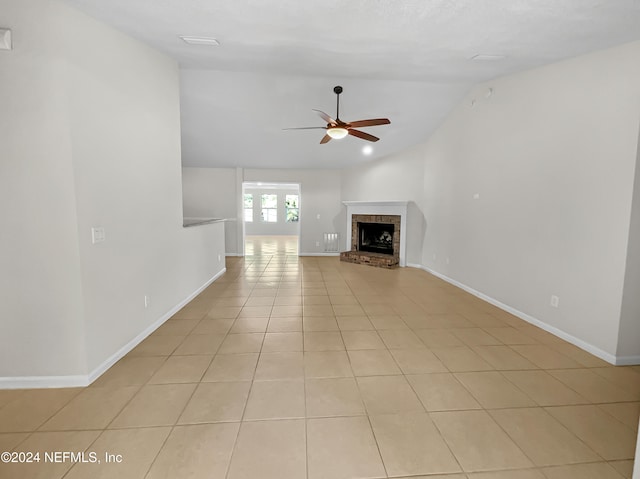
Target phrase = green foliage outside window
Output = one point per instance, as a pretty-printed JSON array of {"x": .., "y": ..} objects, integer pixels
[
  {"x": 269, "y": 212},
  {"x": 293, "y": 211},
  {"x": 248, "y": 208}
]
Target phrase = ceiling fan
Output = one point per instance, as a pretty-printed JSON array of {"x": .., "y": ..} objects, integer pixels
[{"x": 337, "y": 128}]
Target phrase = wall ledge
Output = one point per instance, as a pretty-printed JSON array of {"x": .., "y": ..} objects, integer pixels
[
  {"x": 610, "y": 358},
  {"x": 375, "y": 203}
]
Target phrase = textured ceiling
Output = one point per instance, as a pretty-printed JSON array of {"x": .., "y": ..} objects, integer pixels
[{"x": 406, "y": 60}]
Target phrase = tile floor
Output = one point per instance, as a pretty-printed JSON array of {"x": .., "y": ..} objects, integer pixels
[{"x": 292, "y": 367}]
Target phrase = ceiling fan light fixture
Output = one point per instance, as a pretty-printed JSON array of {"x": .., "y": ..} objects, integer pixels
[{"x": 337, "y": 132}]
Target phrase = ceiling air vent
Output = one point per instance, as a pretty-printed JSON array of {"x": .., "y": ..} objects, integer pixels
[
  {"x": 482, "y": 57},
  {"x": 206, "y": 41}
]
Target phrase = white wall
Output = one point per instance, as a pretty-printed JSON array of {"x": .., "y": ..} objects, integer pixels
[
  {"x": 127, "y": 176},
  {"x": 201, "y": 199},
  {"x": 552, "y": 155},
  {"x": 280, "y": 227},
  {"x": 629, "y": 334},
  {"x": 41, "y": 310},
  {"x": 91, "y": 140},
  {"x": 397, "y": 178}
]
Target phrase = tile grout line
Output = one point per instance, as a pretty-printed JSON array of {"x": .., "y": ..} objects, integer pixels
[{"x": 244, "y": 410}]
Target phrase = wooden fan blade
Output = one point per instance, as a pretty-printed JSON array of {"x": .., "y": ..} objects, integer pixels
[
  {"x": 325, "y": 139},
  {"x": 308, "y": 128},
  {"x": 326, "y": 117},
  {"x": 363, "y": 135},
  {"x": 373, "y": 122}
]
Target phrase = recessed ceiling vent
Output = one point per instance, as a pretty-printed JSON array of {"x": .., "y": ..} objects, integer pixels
[
  {"x": 484, "y": 57},
  {"x": 206, "y": 41}
]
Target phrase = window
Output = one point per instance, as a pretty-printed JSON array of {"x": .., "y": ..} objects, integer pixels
[
  {"x": 293, "y": 212},
  {"x": 248, "y": 208},
  {"x": 269, "y": 213}
]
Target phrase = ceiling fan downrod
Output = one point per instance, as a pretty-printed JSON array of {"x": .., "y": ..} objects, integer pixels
[{"x": 337, "y": 90}]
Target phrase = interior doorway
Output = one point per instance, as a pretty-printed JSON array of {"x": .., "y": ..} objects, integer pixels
[{"x": 271, "y": 219}]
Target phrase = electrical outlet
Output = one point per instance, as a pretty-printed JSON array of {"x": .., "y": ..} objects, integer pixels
[
  {"x": 317, "y": 244},
  {"x": 447, "y": 260},
  {"x": 555, "y": 301},
  {"x": 147, "y": 301}
]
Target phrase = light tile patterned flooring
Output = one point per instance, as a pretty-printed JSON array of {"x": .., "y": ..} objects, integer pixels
[
  {"x": 263, "y": 245},
  {"x": 292, "y": 367}
]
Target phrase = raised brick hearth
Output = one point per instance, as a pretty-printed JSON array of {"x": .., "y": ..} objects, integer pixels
[
  {"x": 373, "y": 259},
  {"x": 356, "y": 255},
  {"x": 371, "y": 212}
]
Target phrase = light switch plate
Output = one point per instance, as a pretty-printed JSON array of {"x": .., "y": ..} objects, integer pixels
[
  {"x": 5, "y": 39},
  {"x": 97, "y": 235}
]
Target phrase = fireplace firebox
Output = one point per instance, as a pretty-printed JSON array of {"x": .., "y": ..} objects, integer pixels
[{"x": 375, "y": 237}]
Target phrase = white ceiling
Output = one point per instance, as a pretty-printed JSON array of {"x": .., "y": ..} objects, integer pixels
[{"x": 408, "y": 60}]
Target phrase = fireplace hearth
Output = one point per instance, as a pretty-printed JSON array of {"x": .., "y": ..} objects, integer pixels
[
  {"x": 392, "y": 212},
  {"x": 375, "y": 240}
]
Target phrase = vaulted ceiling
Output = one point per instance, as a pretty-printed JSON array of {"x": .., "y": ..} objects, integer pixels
[{"x": 408, "y": 60}]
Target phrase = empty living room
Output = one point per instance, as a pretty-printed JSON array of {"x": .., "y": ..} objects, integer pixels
[{"x": 198, "y": 283}]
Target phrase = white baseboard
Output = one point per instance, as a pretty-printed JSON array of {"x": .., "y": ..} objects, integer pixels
[
  {"x": 627, "y": 360},
  {"x": 32, "y": 382},
  {"x": 233, "y": 254},
  {"x": 590, "y": 348},
  {"x": 115, "y": 357},
  {"x": 41, "y": 382}
]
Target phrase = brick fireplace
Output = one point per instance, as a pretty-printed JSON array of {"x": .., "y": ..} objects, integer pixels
[{"x": 376, "y": 233}]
